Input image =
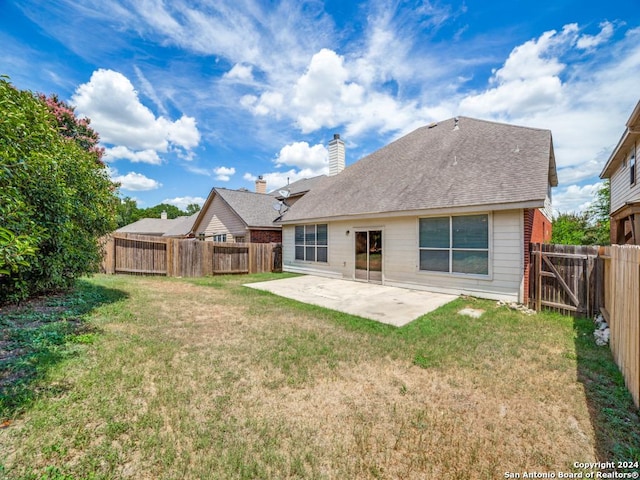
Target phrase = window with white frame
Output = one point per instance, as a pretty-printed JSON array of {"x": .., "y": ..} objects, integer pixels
[
  {"x": 221, "y": 237},
  {"x": 455, "y": 244},
  {"x": 632, "y": 165},
  {"x": 311, "y": 243}
]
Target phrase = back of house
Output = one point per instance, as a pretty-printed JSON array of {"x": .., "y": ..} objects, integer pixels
[{"x": 451, "y": 207}]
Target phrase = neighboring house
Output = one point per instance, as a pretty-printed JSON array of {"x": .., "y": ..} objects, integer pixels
[
  {"x": 622, "y": 170},
  {"x": 451, "y": 207},
  {"x": 238, "y": 216},
  {"x": 161, "y": 227},
  {"x": 252, "y": 217}
]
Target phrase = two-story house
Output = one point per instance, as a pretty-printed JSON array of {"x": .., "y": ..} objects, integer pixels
[{"x": 622, "y": 170}]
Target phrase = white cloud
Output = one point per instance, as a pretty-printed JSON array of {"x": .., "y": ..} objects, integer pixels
[
  {"x": 301, "y": 155},
  {"x": 528, "y": 81},
  {"x": 249, "y": 177},
  {"x": 320, "y": 92},
  {"x": 224, "y": 173},
  {"x": 575, "y": 198},
  {"x": 123, "y": 153},
  {"x": 183, "y": 202},
  {"x": 111, "y": 102},
  {"x": 591, "y": 41},
  {"x": 277, "y": 180},
  {"x": 136, "y": 182},
  {"x": 240, "y": 72}
]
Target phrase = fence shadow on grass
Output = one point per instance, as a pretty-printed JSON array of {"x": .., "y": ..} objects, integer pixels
[
  {"x": 37, "y": 335},
  {"x": 614, "y": 417}
]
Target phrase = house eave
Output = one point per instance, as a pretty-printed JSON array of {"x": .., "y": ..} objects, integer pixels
[
  {"x": 421, "y": 212},
  {"x": 628, "y": 138}
]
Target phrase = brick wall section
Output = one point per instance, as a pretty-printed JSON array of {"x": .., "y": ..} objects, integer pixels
[
  {"x": 265, "y": 236},
  {"x": 537, "y": 229}
]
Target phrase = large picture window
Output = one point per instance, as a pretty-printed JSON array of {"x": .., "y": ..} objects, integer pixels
[
  {"x": 455, "y": 244},
  {"x": 311, "y": 243}
]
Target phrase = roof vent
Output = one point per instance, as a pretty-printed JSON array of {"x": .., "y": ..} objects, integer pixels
[
  {"x": 456, "y": 126},
  {"x": 432, "y": 124}
]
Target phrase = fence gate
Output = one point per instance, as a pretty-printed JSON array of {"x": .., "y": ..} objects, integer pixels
[{"x": 565, "y": 278}]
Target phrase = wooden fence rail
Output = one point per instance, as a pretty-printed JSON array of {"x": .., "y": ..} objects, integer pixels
[{"x": 148, "y": 255}]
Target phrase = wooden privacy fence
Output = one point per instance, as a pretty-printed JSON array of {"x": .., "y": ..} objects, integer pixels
[
  {"x": 583, "y": 280},
  {"x": 622, "y": 311},
  {"x": 148, "y": 255},
  {"x": 567, "y": 278}
]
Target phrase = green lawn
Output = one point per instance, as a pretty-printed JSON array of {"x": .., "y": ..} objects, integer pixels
[{"x": 140, "y": 377}]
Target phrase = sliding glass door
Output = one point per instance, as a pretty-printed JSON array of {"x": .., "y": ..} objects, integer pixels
[{"x": 369, "y": 256}]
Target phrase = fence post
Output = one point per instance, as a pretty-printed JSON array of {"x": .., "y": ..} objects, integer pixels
[
  {"x": 538, "y": 287},
  {"x": 169, "y": 257}
]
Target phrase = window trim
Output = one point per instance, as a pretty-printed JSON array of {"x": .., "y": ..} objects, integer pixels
[
  {"x": 312, "y": 244},
  {"x": 217, "y": 236},
  {"x": 633, "y": 166},
  {"x": 451, "y": 249}
]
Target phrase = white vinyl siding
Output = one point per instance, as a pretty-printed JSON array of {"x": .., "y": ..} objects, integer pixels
[
  {"x": 221, "y": 220},
  {"x": 401, "y": 260},
  {"x": 622, "y": 190}
]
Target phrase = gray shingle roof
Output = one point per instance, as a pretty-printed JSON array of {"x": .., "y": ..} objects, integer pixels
[
  {"x": 255, "y": 209},
  {"x": 182, "y": 226},
  {"x": 151, "y": 226},
  {"x": 299, "y": 187},
  {"x": 439, "y": 166}
]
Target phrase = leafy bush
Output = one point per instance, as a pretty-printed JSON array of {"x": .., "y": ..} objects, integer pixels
[{"x": 56, "y": 198}]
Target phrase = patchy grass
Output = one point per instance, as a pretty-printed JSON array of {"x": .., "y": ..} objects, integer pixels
[
  {"x": 38, "y": 335},
  {"x": 204, "y": 378}
]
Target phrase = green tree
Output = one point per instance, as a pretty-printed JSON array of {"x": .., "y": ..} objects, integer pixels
[
  {"x": 156, "y": 211},
  {"x": 590, "y": 227},
  {"x": 598, "y": 232},
  {"x": 127, "y": 212},
  {"x": 193, "y": 208},
  {"x": 569, "y": 229},
  {"x": 56, "y": 198}
]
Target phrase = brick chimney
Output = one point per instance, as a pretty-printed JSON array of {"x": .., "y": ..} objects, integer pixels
[
  {"x": 336, "y": 155},
  {"x": 261, "y": 185}
]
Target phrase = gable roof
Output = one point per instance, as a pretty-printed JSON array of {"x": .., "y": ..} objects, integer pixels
[
  {"x": 255, "y": 210},
  {"x": 148, "y": 226},
  {"x": 628, "y": 139},
  {"x": 439, "y": 166},
  {"x": 299, "y": 187},
  {"x": 167, "y": 227},
  {"x": 182, "y": 226}
]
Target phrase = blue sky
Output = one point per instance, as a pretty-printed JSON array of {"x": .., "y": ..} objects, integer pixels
[{"x": 190, "y": 95}]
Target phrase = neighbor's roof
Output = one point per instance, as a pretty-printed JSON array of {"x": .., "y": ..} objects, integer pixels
[
  {"x": 439, "y": 166},
  {"x": 181, "y": 226},
  {"x": 153, "y": 226},
  {"x": 628, "y": 139},
  {"x": 254, "y": 209},
  {"x": 299, "y": 187}
]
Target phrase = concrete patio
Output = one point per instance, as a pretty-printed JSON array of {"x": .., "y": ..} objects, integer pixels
[{"x": 391, "y": 305}]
